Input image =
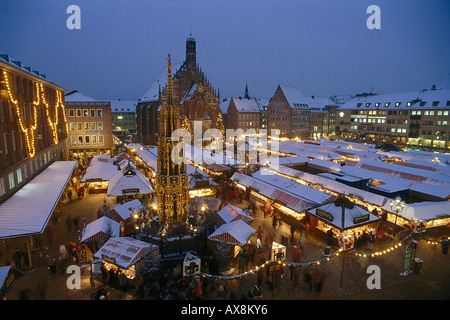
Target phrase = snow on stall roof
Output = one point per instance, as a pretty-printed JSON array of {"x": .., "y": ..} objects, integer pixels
[
  {"x": 103, "y": 171},
  {"x": 126, "y": 210},
  {"x": 124, "y": 250},
  {"x": 121, "y": 182},
  {"x": 349, "y": 215},
  {"x": 333, "y": 185},
  {"x": 426, "y": 210},
  {"x": 29, "y": 209},
  {"x": 239, "y": 231},
  {"x": 102, "y": 224},
  {"x": 230, "y": 212}
]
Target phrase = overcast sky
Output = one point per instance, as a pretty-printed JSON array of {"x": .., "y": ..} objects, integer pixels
[{"x": 322, "y": 47}]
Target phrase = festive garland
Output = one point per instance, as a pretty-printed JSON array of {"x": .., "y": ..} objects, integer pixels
[{"x": 317, "y": 262}]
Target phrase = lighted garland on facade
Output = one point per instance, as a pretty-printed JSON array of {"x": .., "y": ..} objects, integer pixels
[{"x": 30, "y": 132}]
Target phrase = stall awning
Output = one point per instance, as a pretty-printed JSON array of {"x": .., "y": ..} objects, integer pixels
[{"x": 29, "y": 209}]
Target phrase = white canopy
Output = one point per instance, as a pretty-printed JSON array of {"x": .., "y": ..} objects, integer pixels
[
  {"x": 29, "y": 209},
  {"x": 236, "y": 232}
]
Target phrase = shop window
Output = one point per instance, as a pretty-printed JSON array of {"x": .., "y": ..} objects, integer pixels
[{"x": 11, "y": 180}]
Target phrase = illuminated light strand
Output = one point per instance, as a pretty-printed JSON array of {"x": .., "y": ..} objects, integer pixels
[
  {"x": 381, "y": 252},
  {"x": 53, "y": 125},
  {"x": 434, "y": 242},
  {"x": 284, "y": 263},
  {"x": 31, "y": 131}
]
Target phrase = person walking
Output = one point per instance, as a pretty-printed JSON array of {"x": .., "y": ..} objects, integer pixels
[{"x": 370, "y": 240}]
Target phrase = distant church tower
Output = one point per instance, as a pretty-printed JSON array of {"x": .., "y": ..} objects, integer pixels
[
  {"x": 171, "y": 180},
  {"x": 246, "y": 95},
  {"x": 191, "y": 51}
]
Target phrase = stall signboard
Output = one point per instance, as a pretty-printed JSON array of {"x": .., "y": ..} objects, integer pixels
[
  {"x": 108, "y": 259},
  {"x": 191, "y": 265},
  {"x": 278, "y": 252},
  {"x": 418, "y": 226},
  {"x": 361, "y": 219},
  {"x": 325, "y": 215},
  {"x": 346, "y": 241}
]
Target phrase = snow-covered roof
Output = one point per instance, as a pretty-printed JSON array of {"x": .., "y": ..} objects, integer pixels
[
  {"x": 152, "y": 93},
  {"x": 297, "y": 100},
  {"x": 77, "y": 96},
  {"x": 100, "y": 171},
  {"x": 224, "y": 103},
  {"x": 230, "y": 213},
  {"x": 190, "y": 92},
  {"x": 125, "y": 250},
  {"x": 426, "y": 210},
  {"x": 246, "y": 105},
  {"x": 29, "y": 209},
  {"x": 126, "y": 210},
  {"x": 123, "y": 183},
  {"x": 102, "y": 224},
  {"x": 5, "y": 58},
  {"x": 123, "y": 106},
  {"x": 400, "y": 100},
  {"x": 334, "y": 216},
  {"x": 236, "y": 233}
]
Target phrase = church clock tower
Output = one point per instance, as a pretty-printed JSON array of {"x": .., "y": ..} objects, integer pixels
[
  {"x": 191, "y": 51},
  {"x": 171, "y": 180}
]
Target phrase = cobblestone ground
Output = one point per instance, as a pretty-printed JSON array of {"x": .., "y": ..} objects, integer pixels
[{"x": 433, "y": 281}]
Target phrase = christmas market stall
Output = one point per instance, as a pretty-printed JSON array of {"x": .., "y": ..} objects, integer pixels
[
  {"x": 96, "y": 233},
  {"x": 8, "y": 278},
  {"x": 126, "y": 256},
  {"x": 129, "y": 184},
  {"x": 231, "y": 213},
  {"x": 98, "y": 175},
  {"x": 433, "y": 214},
  {"x": 227, "y": 241},
  {"x": 125, "y": 215},
  {"x": 342, "y": 216}
]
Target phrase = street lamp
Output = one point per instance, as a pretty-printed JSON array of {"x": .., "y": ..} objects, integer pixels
[{"x": 397, "y": 206}]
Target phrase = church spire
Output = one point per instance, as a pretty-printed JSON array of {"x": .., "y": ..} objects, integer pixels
[
  {"x": 169, "y": 82},
  {"x": 246, "y": 96}
]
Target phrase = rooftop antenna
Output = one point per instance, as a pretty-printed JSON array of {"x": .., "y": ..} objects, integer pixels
[{"x": 190, "y": 30}]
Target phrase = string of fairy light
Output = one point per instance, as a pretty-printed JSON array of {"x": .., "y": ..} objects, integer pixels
[
  {"x": 30, "y": 130},
  {"x": 324, "y": 259}
]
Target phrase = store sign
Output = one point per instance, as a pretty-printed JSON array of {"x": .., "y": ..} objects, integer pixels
[
  {"x": 418, "y": 226},
  {"x": 361, "y": 219},
  {"x": 278, "y": 252},
  {"x": 325, "y": 215},
  {"x": 191, "y": 265},
  {"x": 125, "y": 191},
  {"x": 108, "y": 259}
]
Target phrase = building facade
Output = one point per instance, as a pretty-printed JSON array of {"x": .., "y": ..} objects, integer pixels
[
  {"x": 192, "y": 91},
  {"x": 89, "y": 125},
  {"x": 123, "y": 116},
  {"x": 416, "y": 119},
  {"x": 33, "y": 126},
  {"x": 299, "y": 116},
  {"x": 243, "y": 113}
]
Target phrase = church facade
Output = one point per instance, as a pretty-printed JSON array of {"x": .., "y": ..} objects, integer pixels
[{"x": 192, "y": 91}]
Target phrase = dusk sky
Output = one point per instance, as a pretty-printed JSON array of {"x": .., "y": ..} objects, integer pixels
[{"x": 321, "y": 47}]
